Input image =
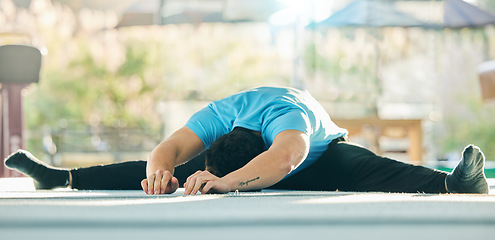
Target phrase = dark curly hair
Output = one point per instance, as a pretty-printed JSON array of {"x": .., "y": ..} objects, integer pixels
[{"x": 233, "y": 150}]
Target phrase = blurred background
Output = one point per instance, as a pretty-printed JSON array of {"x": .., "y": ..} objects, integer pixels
[{"x": 118, "y": 76}]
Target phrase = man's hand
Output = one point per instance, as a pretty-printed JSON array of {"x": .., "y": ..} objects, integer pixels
[
  {"x": 160, "y": 182},
  {"x": 177, "y": 149},
  {"x": 205, "y": 182}
]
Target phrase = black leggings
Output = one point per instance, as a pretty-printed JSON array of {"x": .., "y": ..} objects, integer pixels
[{"x": 344, "y": 166}]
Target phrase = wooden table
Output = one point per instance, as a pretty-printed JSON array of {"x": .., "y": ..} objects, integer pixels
[{"x": 386, "y": 127}]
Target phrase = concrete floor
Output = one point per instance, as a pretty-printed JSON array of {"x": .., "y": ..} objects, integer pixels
[{"x": 67, "y": 214}]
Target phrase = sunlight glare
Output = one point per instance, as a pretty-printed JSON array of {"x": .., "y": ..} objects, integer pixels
[{"x": 300, "y": 10}]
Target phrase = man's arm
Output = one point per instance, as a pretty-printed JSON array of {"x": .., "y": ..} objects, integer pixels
[
  {"x": 177, "y": 149},
  {"x": 288, "y": 150}
]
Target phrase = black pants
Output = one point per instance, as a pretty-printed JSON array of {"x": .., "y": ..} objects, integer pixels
[{"x": 344, "y": 166}]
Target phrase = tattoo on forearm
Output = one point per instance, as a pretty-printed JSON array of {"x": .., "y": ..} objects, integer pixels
[{"x": 245, "y": 183}]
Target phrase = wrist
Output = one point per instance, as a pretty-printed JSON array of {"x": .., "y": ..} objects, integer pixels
[
  {"x": 230, "y": 183},
  {"x": 155, "y": 164}
]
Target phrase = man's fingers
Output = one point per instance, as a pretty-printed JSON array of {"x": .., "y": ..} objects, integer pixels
[
  {"x": 144, "y": 185},
  {"x": 151, "y": 182},
  {"x": 202, "y": 181},
  {"x": 197, "y": 185},
  {"x": 172, "y": 186},
  {"x": 190, "y": 182},
  {"x": 193, "y": 175},
  {"x": 167, "y": 176},
  {"x": 189, "y": 185},
  {"x": 206, "y": 188},
  {"x": 158, "y": 181},
  {"x": 211, "y": 187}
]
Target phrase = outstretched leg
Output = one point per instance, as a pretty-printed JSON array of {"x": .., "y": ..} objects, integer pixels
[
  {"x": 126, "y": 175},
  {"x": 349, "y": 167},
  {"x": 468, "y": 176},
  {"x": 45, "y": 176},
  {"x": 116, "y": 176}
]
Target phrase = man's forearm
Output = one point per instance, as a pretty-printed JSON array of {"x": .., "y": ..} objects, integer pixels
[
  {"x": 259, "y": 173},
  {"x": 287, "y": 152},
  {"x": 177, "y": 149},
  {"x": 162, "y": 158}
]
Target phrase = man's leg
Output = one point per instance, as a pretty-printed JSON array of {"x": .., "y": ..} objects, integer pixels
[
  {"x": 117, "y": 176},
  {"x": 126, "y": 175},
  {"x": 348, "y": 167},
  {"x": 45, "y": 176}
]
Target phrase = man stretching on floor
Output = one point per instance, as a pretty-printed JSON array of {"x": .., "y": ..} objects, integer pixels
[{"x": 279, "y": 138}]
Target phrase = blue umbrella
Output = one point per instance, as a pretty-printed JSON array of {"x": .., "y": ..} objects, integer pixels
[
  {"x": 376, "y": 13},
  {"x": 370, "y": 13},
  {"x": 459, "y": 14}
]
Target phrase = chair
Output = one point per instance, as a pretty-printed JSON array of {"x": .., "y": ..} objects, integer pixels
[{"x": 19, "y": 66}]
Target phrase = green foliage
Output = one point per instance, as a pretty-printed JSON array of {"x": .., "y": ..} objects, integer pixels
[
  {"x": 93, "y": 74},
  {"x": 472, "y": 123},
  {"x": 352, "y": 75},
  {"x": 84, "y": 89}
]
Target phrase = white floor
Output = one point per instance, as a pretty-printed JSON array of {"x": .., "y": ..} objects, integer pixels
[{"x": 66, "y": 214}]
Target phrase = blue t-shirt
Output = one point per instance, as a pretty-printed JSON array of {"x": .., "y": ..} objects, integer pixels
[{"x": 269, "y": 110}]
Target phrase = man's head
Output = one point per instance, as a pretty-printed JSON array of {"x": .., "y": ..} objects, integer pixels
[{"x": 233, "y": 150}]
